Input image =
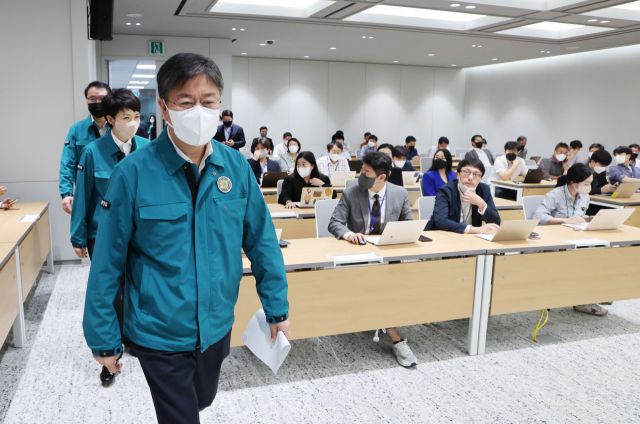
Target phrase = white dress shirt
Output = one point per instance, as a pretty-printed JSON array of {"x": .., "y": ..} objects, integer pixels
[
  {"x": 208, "y": 151},
  {"x": 466, "y": 211},
  {"x": 102, "y": 130},
  {"x": 381, "y": 195},
  {"x": 125, "y": 147},
  {"x": 326, "y": 167},
  {"x": 483, "y": 157},
  {"x": 279, "y": 150},
  {"x": 501, "y": 164},
  {"x": 433, "y": 149},
  {"x": 227, "y": 132}
]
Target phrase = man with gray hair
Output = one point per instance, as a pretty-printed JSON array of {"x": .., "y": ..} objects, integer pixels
[{"x": 175, "y": 218}]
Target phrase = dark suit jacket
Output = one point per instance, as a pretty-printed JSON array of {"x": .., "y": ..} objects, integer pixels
[
  {"x": 255, "y": 140},
  {"x": 237, "y": 135},
  {"x": 474, "y": 154},
  {"x": 446, "y": 212},
  {"x": 408, "y": 166},
  {"x": 272, "y": 166},
  {"x": 143, "y": 130},
  {"x": 396, "y": 177},
  {"x": 599, "y": 180},
  {"x": 289, "y": 192}
]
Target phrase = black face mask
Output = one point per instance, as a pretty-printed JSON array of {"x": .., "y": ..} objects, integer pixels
[
  {"x": 411, "y": 148},
  {"x": 511, "y": 157},
  {"x": 479, "y": 144},
  {"x": 634, "y": 156},
  {"x": 227, "y": 123},
  {"x": 439, "y": 164},
  {"x": 96, "y": 110}
]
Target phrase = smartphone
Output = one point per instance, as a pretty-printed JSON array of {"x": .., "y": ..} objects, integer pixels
[
  {"x": 14, "y": 202},
  {"x": 424, "y": 239},
  {"x": 284, "y": 243}
]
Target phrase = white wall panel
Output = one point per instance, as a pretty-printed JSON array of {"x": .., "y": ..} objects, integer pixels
[
  {"x": 416, "y": 105},
  {"x": 241, "y": 95},
  {"x": 382, "y": 102},
  {"x": 345, "y": 101},
  {"x": 308, "y": 104},
  {"x": 448, "y": 112}
]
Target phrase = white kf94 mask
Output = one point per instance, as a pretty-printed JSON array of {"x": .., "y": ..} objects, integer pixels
[{"x": 195, "y": 126}]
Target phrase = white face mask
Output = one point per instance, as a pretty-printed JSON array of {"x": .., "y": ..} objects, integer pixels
[
  {"x": 263, "y": 153},
  {"x": 599, "y": 169},
  {"x": 590, "y": 154},
  {"x": 195, "y": 126},
  {"x": 127, "y": 130},
  {"x": 561, "y": 157},
  {"x": 304, "y": 172},
  {"x": 583, "y": 189},
  {"x": 293, "y": 149},
  {"x": 620, "y": 159},
  {"x": 400, "y": 163},
  {"x": 464, "y": 188},
  {"x": 152, "y": 120},
  {"x": 372, "y": 144},
  {"x": 334, "y": 157}
]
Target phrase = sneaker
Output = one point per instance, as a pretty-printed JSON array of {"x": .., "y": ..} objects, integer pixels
[
  {"x": 404, "y": 355},
  {"x": 592, "y": 309}
]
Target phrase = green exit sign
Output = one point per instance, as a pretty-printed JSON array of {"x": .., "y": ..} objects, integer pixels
[{"x": 156, "y": 47}]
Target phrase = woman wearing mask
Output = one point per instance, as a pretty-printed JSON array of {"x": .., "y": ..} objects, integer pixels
[
  {"x": 333, "y": 162},
  {"x": 568, "y": 204},
  {"x": 152, "y": 134},
  {"x": 288, "y": 158},
  {"x": 306, "y": 174},
  {"x": 260, "y": 163},
  {"x": 439, "y": 174},
  {"x": 623, "y": 171}
]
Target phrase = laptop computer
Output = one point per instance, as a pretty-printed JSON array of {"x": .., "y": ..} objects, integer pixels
[
  {"x": 355, "y": 165},
  {"x": 536, "y": 158},
  {"x": 399, "y": 232},
  {"x": 512, "y": 231},
  {"x": 339, "y": 179},
  {"x": 605, "y": 219},
  {"x": 270, "y": 179},
  {"x": 534, "y": 176},
  {"x": 311, "y": 195},
  {"x": 414, "y": 195},
  {"x": 410, "y": 177},
  {"x": 624, "y": 191}
]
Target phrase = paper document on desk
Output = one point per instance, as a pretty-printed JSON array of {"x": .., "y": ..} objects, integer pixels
[
  {"x": 577, "y": 227},
  {"x": 588, "y": 242},
  {"x": 355, "y": 258},
  {"x": 257, "y": 337},
  {"x": 284, "y": 215},
  {"x": 488, "y": 237},
  {"x": 29, "y": 218}
]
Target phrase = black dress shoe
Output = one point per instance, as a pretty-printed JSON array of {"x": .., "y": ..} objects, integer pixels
[{"x": 107, "y": 378}]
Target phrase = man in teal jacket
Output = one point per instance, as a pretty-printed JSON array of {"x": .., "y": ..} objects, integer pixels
[
  {"x": 81, "y": 134},
  {"x": 174, "y": 220},
  {"x": 122, "y": 111}
]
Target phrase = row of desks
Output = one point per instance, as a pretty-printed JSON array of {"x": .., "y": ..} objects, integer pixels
[
  {"x": 24, "y": 247},
  {"x": 455, "y": 276}
]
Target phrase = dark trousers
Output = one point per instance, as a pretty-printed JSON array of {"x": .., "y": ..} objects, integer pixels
[
  {"x": 118, "y": 302},
  {"x": 182, "y": 383}
]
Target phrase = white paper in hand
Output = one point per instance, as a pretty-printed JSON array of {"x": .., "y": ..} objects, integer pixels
[{"x": 257, "y": 337}]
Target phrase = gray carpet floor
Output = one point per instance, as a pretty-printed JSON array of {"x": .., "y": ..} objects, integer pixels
[{"x": 590, "y": 376}]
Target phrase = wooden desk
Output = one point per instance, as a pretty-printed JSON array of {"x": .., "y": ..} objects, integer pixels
[
  {"x": 524, "y": 189},
  {"x": 631, "y": 203},
  {"x": 301, "y": 225},
  {"x": 10, "y": 304},
  {"x": 339, "y": 300},
  {"x": 508, "y": 209}
]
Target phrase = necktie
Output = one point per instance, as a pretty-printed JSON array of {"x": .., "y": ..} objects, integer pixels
[
  {"x": 120, "y": 156},
  {"x": 375, "y": 210},
  {"x": 192, "y": 174}
]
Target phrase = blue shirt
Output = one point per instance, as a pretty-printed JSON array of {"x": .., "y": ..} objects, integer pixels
[
  {"x": 432, "y": 181},
  {"x": 618, "y": 172},
  {"x": 94, "y": 170},
  {"x": 81, "y": 134},
  {"x": 182, "y": 262},
  {"x": 412, "y": 153}
]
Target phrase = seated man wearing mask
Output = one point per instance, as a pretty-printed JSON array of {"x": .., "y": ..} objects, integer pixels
[
  {"x": 400, "y": 159},
  {"x": 522, "y": 147},
  {"x": 372, "y": 146},
  {"x": 507, "y": 168},
  {"x": 600, "y": 159},
  {"x": 263, "y": 134},
  {"x": 260, "y": 163},
  {"x": 594, "y": 147},
  {"x": 443, "y": 143},
  {"x": 477, "y": 152},
  {"x": 365, "y": 209},
  {"x": 410, "y": 144},
  {"x": 462, "y": 204},
  {"x": 556, "y": 165},
  {"x": 333, "y": 162},
  {"x": 281, "y": 148},
  {"x": 635, "y": 150},
  {"x": 624, "y": 171},
  {"x": 122, "y": 111}
]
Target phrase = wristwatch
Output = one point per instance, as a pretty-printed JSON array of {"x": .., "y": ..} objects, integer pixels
[{"x": 277, "y": 320}]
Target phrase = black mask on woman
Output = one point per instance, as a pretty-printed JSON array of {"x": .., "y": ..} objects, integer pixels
[
  {"x": 439, "y": 164},
  {"x": 96, "y": 110},
  {"x": 511, "y": 157}
]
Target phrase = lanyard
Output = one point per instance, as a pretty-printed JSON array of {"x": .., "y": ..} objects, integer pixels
[
  {"x": 573, "y": 212},
  {"x": 335, "y": 170},
  {"x": 371, "y": 219}
]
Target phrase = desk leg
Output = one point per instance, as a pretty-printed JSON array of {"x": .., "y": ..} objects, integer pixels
[
  {"x": 474, "y": 322},
  {"x": 19, "y": 331},
  {"x": 486, "y": 302},
  {"x": 50, "y": 255},
  {"x": 493, "y": 190},
  {"x": 519, "y": 195}
]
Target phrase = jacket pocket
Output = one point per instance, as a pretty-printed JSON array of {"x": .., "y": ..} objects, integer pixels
[
  {"x": 166, "y": 212},
  {"x": 101, "y": 181}
]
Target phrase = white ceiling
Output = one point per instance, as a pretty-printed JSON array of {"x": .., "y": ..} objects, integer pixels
[{"x": 505, "y": 32}]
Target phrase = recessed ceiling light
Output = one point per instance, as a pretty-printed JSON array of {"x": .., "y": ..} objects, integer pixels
[
  {"x": 243, "y": 53},
  {"x": 494, "y": 59},
  {"x": 431, "y": 54},
  {"x": 412, "y": 12},
  {"x": 604, "y": 22},
  {"x": 278, "y": 3},
  {"x": 553, "y": 26},
  {"x": 592, "y": 20},
  {"x": 241, "y": 29},
  {"x": 548, "y": 52},
  {"x": 473, "y": 45},
  {"x": 306, "y": 57},
  {"x": 630, "y": 6},
  {"x": 370, "y": 38},
  {"x": 454, "y": 5},
  {"x": 332, "y": 48},
  {"x": 364, "y": 36},
  {"x": 134, "y": 86},
  {"x": 395, "y": 61},
  {"x": 233, "y": 29},
  {"x": 541, "y": 51},
  {"x": 146, "y": 67},
  {"x": 479, "y": 46},
  {"x": 262, "y": 44},
  {"x": 143, "y": 76},
  {"x": 572, "y": 48},
  {"x": 454, "y": 65},
  {"x": 134, "y": 15},
  {"x": 137, "y": 23},
  {"x": 128, "y": 23},
  {"x": 469, "y": 7}
]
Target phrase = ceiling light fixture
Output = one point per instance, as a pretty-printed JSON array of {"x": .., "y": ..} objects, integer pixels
[
  {"x": 134, "y": 15},
  {"x": 134, "y": 86},
  {"x": 592, "y": 20},
  {"x": 364, "y": 36},
  {"x": 494, "y": 59},
  {"x": 473, "y": 45},
  {"x": 146, "y": 67},
  {"x": 233, "y": 29},
  {"x": 412, "y": 12},
  {"x": 262, "y": 44},
  {"x": 454, "y": 5},
  {"x": 469, "y": 7},
  {"x": 276, "y": 3},
  {"x": 548, "y": 52},
  {"x": 604, "y": 22},
  {"x": 332, "y": 48},
  {"x": 454, "y": 65},
  {"x": 243, "y": 53},
  {"x": 431, "y": 54},
  {"x": 306, "y": 57},
  {"x": 137, "y": 23},
  {"x": 143, "y": 76},
  {"x": 395, "y": 61},
  {"x": 241, "y": 29},
  {"x": 370, "y": 38}
]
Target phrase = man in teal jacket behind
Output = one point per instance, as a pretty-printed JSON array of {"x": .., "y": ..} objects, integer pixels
[{"x": 174, "y": 220}]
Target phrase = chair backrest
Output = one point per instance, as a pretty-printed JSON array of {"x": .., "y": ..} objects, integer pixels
[
  {"x": 247, "y": 154},
  {"x": 461, "y": 152},
  {"x": 530, "y": 162},
  {"x": 425, "y": 164},
  {"x": 358, "y": 153},
  {"x": 350, "y": 182},
  {"x": 324, "y": 210},
  {"x": 279, "y": 185},
  {"x": 425, "y": 207},
  {"x": 499, "y": 154},
  {"x": 530, "y": 205},
  {"x": 488, "y": 170},
  {"x": 346, "y": 155},
  {"x": 325, "y": 153}
]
